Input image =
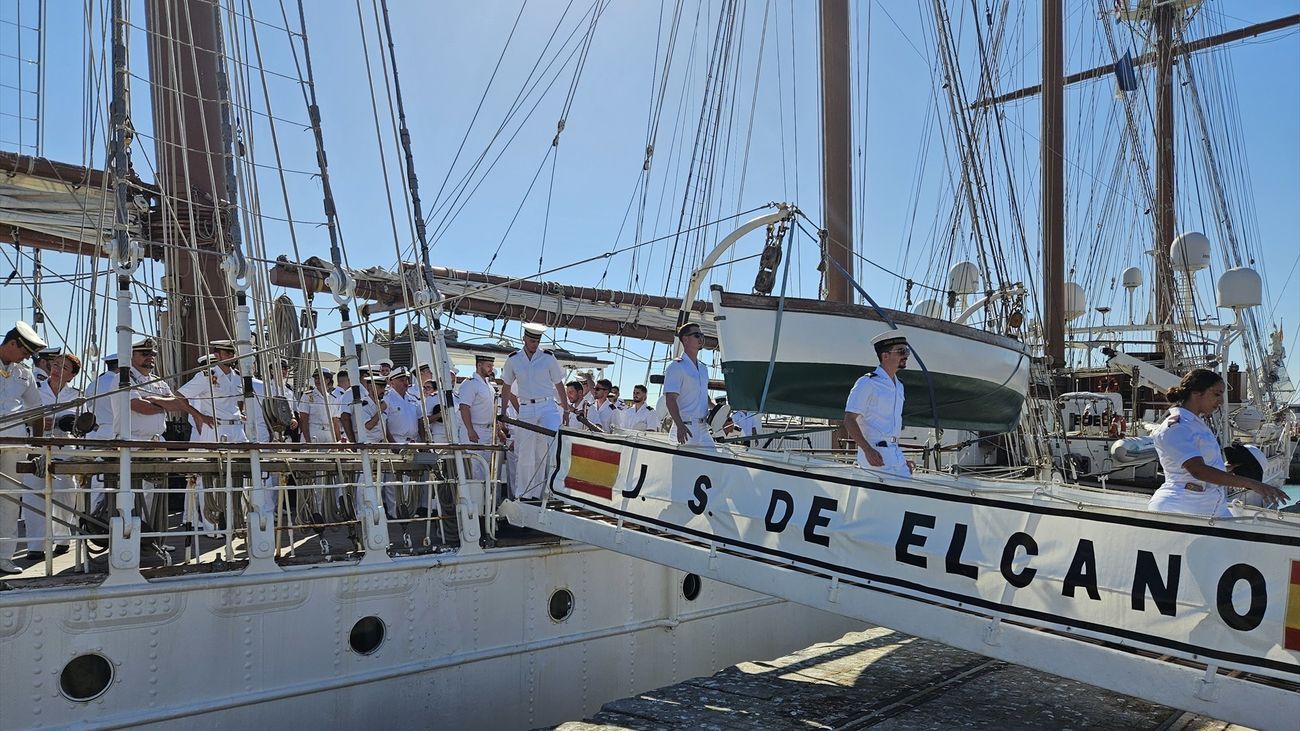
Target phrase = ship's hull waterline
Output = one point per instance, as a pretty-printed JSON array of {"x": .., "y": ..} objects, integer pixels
[{"x": 468, "y": 642}]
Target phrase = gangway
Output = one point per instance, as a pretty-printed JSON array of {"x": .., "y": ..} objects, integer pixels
[{"x": 1187, "y": 612}]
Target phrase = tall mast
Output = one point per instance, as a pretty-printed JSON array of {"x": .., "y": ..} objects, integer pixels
[
  {"x": 1163, "y": 21},
  {"x": 837, "y": 161},
  {"x": 1052, "y": 153},
  {"x": 183, "y": 63}
]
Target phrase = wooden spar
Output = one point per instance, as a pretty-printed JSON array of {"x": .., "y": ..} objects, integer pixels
[
  {"x": 311, "y": 274},
  {"x": 1052, "y": 153},
  {"x": 1165, "y": 191},
  {"x": 183, "y": 64},
  {"x": 837, "y": 159},
  {"x": 1182, "y": 49}
]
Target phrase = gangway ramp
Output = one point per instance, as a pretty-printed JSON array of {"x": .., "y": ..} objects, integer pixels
[{"x": 1180, "y": 611}]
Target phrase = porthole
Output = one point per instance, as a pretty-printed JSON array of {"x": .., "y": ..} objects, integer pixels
[
  {"x": 86, "y": 677},
  {"x": 691, "y": 587},
  {"x": 561, "y": 605},
  {"x": 367, "y": 635}
]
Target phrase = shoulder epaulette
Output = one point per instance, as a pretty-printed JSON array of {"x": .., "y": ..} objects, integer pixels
[
  {"x": 548, "y": 352},
  {"x": 513, "y": 354},
  {"x": 1174, "y": 419},
  {"x": 649, "y": 407}
]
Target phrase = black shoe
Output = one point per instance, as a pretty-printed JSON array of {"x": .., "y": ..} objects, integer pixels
[
  {"x": 61, "y": 549},
  {"x": 36, "y": 556},
  {"x": 422, "y": 513}
]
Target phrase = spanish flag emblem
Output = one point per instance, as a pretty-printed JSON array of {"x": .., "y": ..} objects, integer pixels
[
  {"x": 1292, "y": 637},
  {"x": 592, "y": 470}
]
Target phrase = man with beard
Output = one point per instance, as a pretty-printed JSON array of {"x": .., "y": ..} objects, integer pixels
[
  {"x": 640, "y": 416},
  {"x": 873, "y": 414}
]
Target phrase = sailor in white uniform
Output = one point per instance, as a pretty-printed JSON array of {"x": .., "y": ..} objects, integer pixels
[
  {"x": 54, "y": 390},
  {"x": 601, "y": 411},
  {"x": 216, "y": 391},
  {"x": 402, "y": 410},
  {"x": 1189, "y": 451},
  {"x": 477, "y": 401},
  {"x": 640, "y": 416},
  {"x": 534, "y": 385},
  {"x": 873, "y": 414},
  {"x": 17, "y": 394},
  {"x": 686, "y": 390}
]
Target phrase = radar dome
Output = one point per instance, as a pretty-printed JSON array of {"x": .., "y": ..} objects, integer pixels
[
  {"x": 1190, "y": 252},
  {"x": 928, "y": 308},
  {"x": 1240, "y": 288},
  {"x": 1248, "y": 418},
  {"x": 1074, "y": 301},
  {"x": 1132, "y": 278},
  {"x": 964, "y": 277}
]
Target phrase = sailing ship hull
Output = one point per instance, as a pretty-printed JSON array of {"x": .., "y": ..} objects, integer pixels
[
  {"x": 979, "y": 380},
  {"x": 468, "y": 642}
]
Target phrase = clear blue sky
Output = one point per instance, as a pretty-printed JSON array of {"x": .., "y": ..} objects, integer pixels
[{"x": 447, "y": 52}]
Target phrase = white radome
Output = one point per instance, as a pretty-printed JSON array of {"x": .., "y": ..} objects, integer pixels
[
  {"x": 1190, "y": 252},
  {"x": 1132, "y": 278},
  {"x": 1075, "y": 304},
  {"x": 1240, "y": 288},
  {"x": 964, "y": 277},
  {"x": 928, "y": 308}
]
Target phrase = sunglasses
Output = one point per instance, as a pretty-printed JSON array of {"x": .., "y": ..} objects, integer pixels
[
  {"x": 694, "y": 335},
  {"x": 900, "y": 351}
]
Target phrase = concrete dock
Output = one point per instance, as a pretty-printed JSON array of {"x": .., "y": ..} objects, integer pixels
[{"x": 883, "y": 679}]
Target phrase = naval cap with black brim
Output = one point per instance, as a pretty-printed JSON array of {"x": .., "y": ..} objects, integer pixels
[
  {"x": 385, "y": 362},
  {"x": 534, "y": 329},
  {"x": 888, "y": 339},
  {"x": 145, "y": 345},
  {"x": 223, "y": 345},
  {"x": 28, "y": 338},
  {"x": 484, "y": 359}
]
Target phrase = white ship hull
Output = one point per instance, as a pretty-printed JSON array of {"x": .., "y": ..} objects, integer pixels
[{"x": 468, "y": 643}]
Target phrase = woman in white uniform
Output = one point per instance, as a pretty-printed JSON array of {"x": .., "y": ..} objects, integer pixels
[{"x": 1195, "y": 478}]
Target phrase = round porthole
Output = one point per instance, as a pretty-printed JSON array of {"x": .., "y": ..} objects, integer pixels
[
  {"x": 561, "y": 605},
  {"x": 86, "y": 677},
  {"x": 691, "y": 587},
  {"x": 367, "y": 635}
]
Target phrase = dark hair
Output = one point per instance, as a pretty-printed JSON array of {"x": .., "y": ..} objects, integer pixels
[
  {"x": 1197, "y": 380},
  {"x": 11, "y": 335},
  {"x": 640, "y": 386},
  {"x": 605, "y": 383},
  {"x": 574, "y": 384}
]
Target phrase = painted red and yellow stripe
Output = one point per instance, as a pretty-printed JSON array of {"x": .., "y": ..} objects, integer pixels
[
  {"x": 592, "y": 470},
  {"x": 1292, "y": 631}
]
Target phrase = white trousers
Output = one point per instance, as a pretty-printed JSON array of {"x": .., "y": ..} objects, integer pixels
[
  {"x": 700, "y": 435},
  {"x": 895, "y": 462},
  {"x": 232, "y": 433},
  {"x": 533, "y": 449},
  {"x": 35, "y": 510},
  {"x": 10, "y": 485},
  {"x": 1172, "y": 498}
]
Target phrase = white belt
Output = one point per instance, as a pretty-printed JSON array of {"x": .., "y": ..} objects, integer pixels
[
  {"x": 481, "y": 423},
  {"x": 228, "y": 422},
  {"x": 876, "y": 442},
  {"x": 531, "y": 401}
]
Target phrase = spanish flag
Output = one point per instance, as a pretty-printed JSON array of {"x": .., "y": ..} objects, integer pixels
[
  {"x": 592, "y": 470},
  {"x": 1292, "y": 636}
]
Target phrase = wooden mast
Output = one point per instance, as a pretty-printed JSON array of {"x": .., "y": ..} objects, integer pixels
[
  {"x": 1163, "y": 22},
  {"x": 183, "y": 64},
  {"x": 837, "y": 159},
  {"x": 1052, "y": 154}
]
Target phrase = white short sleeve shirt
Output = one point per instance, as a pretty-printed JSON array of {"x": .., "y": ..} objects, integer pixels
[
  {"x": 878, "y": 401},
  {"x": 532, "y": 378},
  {"x": 690, "y": 381}
]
